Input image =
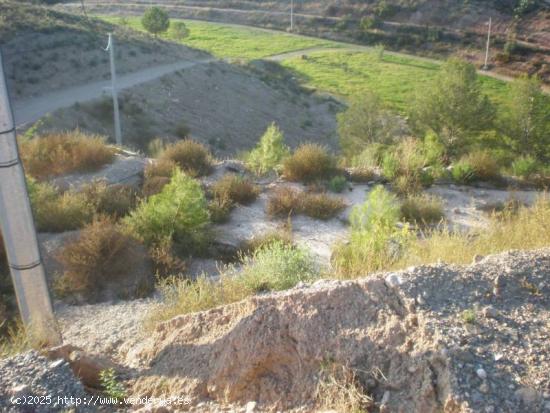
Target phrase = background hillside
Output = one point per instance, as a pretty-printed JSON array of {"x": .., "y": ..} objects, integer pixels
[{"x": 521, "y": 28}]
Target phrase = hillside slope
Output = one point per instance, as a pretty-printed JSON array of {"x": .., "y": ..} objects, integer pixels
[{"x": 47, "y": 50}]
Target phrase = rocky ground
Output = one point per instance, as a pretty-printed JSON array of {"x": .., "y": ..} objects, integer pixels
[{"x": 404, "y": 334}]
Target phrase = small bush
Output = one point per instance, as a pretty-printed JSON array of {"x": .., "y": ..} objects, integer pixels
[
  {"x": 100, "y": 255},
  {"x": 463, "y": 173},
  {"x": 320, "y": 206},
  {"x": 236, "y": 188},
  {"x": 58, "y": 212},
  {"x": 469, "y": 316},
  {"x": 361, "y": 174},
  {"x": 338, "y": 184},
  {"x": 404, "y": 166},
  {"x": 375, "y": 240},
  {"x": 113, "y": 200},
  {"x": 422, "y": 209},
  {"x": 286, "y": 201},
  {"x": 276, "y": 266},
  {"x": 220, "y": 208},
  {"x": 524, "y": 167},
  {"x": 62, "y": 153},
  {"x": 483, "y": 164},
  {"x": 282, "y": 236},
  {"x": 283, "y": 202},
  {"x": 273, "y": 267},
  {"x": 269, "y": 153},
  {"x": 310, "y": 162},
  {"x": 179, "y": 212},
  {"x": 182, "y": 130},
  {"x": 192, "y": 157},
  {"x": 160, "y": 168},
  {"x": 156, "y": 147}
]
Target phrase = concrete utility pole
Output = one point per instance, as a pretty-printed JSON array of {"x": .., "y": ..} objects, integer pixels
[
  {"x": 111, "y": 48},
  {"x": 486, "y": 65},
  {"x": 291, "y": 15},
  {"x": 19, "y": 234}
]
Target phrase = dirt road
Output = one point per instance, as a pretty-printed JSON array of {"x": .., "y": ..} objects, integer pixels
[{"x": 32, "y": 109}]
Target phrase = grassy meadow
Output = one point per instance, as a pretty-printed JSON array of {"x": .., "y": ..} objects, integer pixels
[{"x": 225, "y": 41}]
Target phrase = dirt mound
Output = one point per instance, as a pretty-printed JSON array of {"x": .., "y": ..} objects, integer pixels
[{"x": 403, "y": 335}]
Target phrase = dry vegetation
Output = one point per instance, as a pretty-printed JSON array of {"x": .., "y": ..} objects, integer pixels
[
  {"x": 286, "y": 201},
  {"x": 236, "y": 188},
  {"x": 63, "y": 153},
  {"x": 310, "y": 162},
  {"x": 100, "y": 256},
  {"x": 191, "y": 156}
]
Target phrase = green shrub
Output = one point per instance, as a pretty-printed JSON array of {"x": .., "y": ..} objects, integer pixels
[
  {"x": 58, "y": 212},
  {"x": 390, "y": 166},
  {"x": 100, "y": 255},
  {"x": 375, "y": 240},
  {"x": 422, "y": 209},
  {"x": 338, "y": 184},
  {"x": 524, "y": 167},
  {"x": 178, "y": 212},
  {"x": 310, "y": 162},
  {"x": 269, "y": 153},
  {"x": 277, "y": 266},
  {"x": 192, "y": 157},
  {"x": 404, "y": 166},
  {"x": 236, "y": 188},
  {"x": 370, "y": 157},
  {"x": 178, "y": 30},
  {"x": 463, "y": 173},
  {"x": 63, "y": 153}
]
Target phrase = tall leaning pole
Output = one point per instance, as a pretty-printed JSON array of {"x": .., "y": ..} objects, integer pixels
[{"x": 17, "y": 226}]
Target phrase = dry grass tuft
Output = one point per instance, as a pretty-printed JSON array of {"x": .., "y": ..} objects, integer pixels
[
  {"x": 285, "y": 201},
  {"x": 236, "y": 188},
  {"x": 101, "y": 254},
  {"x": 484, "y": 165},
  {"x": 361, "y": 174},
  {"x": 191, "y": 156},
  {"x": 61, "y": 153},
  {"x": 422, "y": 209},
  {"x": 310, "y": 162},
  {"x": 114, "y": 200}
]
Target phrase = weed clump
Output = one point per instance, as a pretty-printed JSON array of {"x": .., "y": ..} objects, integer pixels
[
  {"x": 61, "y": 153},
  {"x": 484, "y": 166},
  {"x": 113, "y": 200},
  {"x": 191, "y": 156},
  {"x": 337, "y": 184},
  {"x": 310, "y": 162}
]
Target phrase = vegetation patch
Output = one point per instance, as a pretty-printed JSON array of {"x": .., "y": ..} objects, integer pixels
[
  {"x": 101, "y": 255},
  {"x": 269, "y": 153},
  {"x": 286, "y": 201},
  {"x": 236, "y": 188},
  {"x": 62, "y": 153},
  {"x": 191, "y": 156},
  {"x": 309, "y": 162},
  {"x": 422, "y": 209},
  {"x": 275, "y": 266}
]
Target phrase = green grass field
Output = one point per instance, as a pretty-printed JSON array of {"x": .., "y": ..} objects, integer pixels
[
  {"x": 394, "y": 78},
  {"x": 236, "y": 42}
]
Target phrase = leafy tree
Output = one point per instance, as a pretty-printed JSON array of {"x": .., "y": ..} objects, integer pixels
[
  {"x": 526, "y": 118},
  {"x": 178, "y": 30},
  {"x": 453, "y": 106},
  {"x": 366, "y": 121},
  {"x": 155, "y": 20}
]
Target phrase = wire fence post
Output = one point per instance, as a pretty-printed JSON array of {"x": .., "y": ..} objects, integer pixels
[
  {"x": 486, "y": 65},
  {"x": 19, "y": 234},
  {"x": 111, "y": 49}
]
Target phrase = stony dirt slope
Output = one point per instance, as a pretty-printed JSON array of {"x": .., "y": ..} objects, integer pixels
[{"x": 402, "y": 333}]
